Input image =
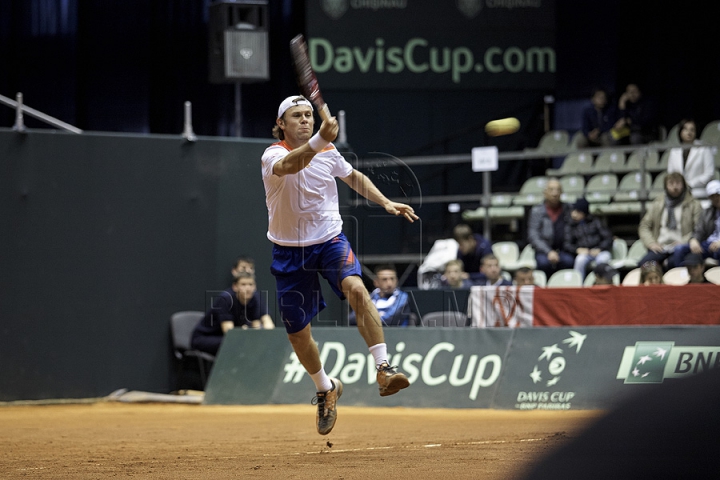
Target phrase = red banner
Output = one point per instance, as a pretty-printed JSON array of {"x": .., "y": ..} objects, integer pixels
[{"x": 599, "y": 306}]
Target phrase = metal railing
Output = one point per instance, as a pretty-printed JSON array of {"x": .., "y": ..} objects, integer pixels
[{"x": 21, "y": 109}]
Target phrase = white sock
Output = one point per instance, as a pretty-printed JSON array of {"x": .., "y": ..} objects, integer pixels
[
  {"x": 322, "y": 381},
  {"x": 379, "y": 352}
]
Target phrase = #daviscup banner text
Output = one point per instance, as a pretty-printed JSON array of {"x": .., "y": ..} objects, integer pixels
[
  {"x": 416, "y": 44},
  {"x": 559, "y": 368}
]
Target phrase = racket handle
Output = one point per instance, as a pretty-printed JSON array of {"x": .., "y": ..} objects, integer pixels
[{"x": 324, "y": 112}]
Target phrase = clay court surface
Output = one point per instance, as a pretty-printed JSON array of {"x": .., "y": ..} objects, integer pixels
[{"x": 176, "y": 441}]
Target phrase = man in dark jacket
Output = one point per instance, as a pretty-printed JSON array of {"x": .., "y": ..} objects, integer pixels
[{"x": 587, "y": 237}]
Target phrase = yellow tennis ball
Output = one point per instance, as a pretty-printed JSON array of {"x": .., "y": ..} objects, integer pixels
[{"x": 503, "y": 126}]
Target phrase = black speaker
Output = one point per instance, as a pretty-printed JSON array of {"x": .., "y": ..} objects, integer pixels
[{"x": 239, "y": 43}]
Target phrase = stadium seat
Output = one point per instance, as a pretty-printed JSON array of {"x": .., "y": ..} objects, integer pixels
[
  {"x": 711, "y": 133},
  {"x": 574, "y": 163},
  {"x": 635, "y": 253},
  {"x": 568, "y": 277},
  {"x": 632, "y": 278},
  {"x": 671, "y": 139},
  {"x": 450, "y": 318},
  {"x": 182, "y": 325},
  {"x": 573, "y": 186},
  {"x": 713, "y": 275},
  {"x": 661, "y": 165},
  {"x": 631, "y": 185},
  {"x": 658, "y": 186},
  {"x": 507, "y": 254},
  {"x": 531, "y": 192},
  {"x": 609, "y": 161},
  {"x": 634, "y": 161},
  {"x": 601, "y": 188},
  {"x": 554, "y": 141},
  {"x": 525, "y": 259},
  {"x": 540, "y": 278},
  {"x": 619, "y": 250},
  {"x": 676, "y": 276}
]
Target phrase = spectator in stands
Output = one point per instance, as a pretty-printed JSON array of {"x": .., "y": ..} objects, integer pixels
[
  {"x": 587, "y": 237},
  {"x": 472, "y": 248},
  {"x": 596, "y": 121},
  {"x": 524, "y": 276},
  {"x": 390, "y": 301},
  {"x": 491, "y": 273},
  {"x": 238, "y": 306},
  {"x": 705, "y": 239},
  {"x": 651, "y": 273},
  {"x": 243, "y": 264},
  {"x": 696, "y": 164},
  {"x": 454, "y": 275},
  {"x": 635, "y": 118},
  {"x": 546, "y": 230},
  {"x": 695, "y": 264},
  {"x": 669, "y": 221},
  {"x": 604, "y": 274}
]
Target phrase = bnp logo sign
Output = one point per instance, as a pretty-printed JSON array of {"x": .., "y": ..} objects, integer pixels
[{"x": 652, "y": 362}]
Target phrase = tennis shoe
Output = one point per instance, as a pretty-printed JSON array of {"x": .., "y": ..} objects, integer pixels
[
  {"x": 327, "y": 407},
  {"x": 389, "y": 380}
]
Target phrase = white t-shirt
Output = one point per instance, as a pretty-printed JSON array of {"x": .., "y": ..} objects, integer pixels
[{"x": 303, "y": 207}]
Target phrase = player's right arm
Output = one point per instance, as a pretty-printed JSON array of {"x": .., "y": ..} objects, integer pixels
[{"x": 301, "y": 155}]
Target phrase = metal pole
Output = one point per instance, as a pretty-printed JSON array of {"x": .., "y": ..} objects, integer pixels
[
  {"x": 342, "y": 134},
  {"x": 19, "y": 121},
  {"x": 238, "y": 110},
  {"x": 188, "y": 133},
  {"x": 486, "y": 203}
]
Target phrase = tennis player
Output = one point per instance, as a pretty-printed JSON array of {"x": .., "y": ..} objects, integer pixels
[{"x": 306, "y": 229}]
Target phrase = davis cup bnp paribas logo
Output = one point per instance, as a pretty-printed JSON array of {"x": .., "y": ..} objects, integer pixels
[{"x": 653, "y": 362}]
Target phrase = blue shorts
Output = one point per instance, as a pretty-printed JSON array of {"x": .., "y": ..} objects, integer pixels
[{"x": 296, "y": 272}]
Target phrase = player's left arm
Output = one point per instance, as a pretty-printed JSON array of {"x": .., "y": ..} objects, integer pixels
[{"x": 359, "y": 182}]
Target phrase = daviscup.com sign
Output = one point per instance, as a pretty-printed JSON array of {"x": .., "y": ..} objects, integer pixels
[{"x": 468, "y": 44}]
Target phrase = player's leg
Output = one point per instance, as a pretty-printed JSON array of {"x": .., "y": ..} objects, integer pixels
[
  {"x": 328, "y": 389},
  {"x": 366, "y": 315},
  {"x": 369, "y": 324},
  {"x": 297, "y": 287},
  {"x": 342, "y": 270}
]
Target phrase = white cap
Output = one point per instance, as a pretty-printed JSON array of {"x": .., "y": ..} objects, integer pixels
[
  {"x": 713, "y": 188},
  {"x": 293, "y": 101}
]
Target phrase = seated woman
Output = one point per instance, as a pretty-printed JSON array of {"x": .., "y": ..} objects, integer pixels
[{"x": 696, "y": 163}]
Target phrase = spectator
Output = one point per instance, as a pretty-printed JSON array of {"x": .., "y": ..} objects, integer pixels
[
  {"x": 243, "y": 264},
  {"x": 454, "y": 275},
  {"x": 696, "y": 164},
  {"x": 491, "y": 273},
  {"x": 587, "y": 237},
  {"x": 705, "y": 240},
  {"x": 604, "y": 274},
  {"x": 596, "y": 121},
  {"x": 651, "y": 273},
  {"x": 472, "y": 248},
  {"x": 695, "y": 264},
  {"x": 390, "y": 301},
  {"x": 546, "y": 230},
  {"x": 238, "y": 306},
  {"x": 524, "y": 276},
  {"x": 669, "y": 221},
  {"x": 635, "y": 118}
]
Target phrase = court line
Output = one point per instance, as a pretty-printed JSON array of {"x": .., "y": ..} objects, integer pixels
[{"x": 411, "y": 447}]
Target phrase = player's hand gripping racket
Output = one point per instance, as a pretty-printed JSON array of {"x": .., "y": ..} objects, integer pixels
[{"x": 307, "y": 81}]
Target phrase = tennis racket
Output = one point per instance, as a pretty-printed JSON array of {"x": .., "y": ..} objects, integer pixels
[{"x": 307, "y": 81}]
